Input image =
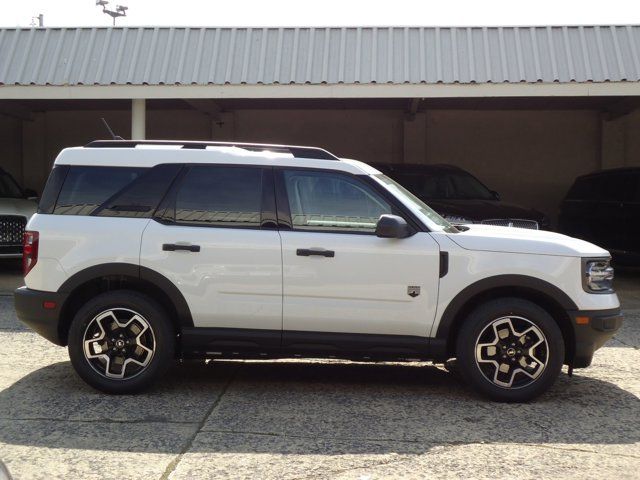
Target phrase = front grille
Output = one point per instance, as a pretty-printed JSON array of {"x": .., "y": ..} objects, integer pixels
[
  {"x": 512, "y": 222},
  {"x": 12, "y": 229}
]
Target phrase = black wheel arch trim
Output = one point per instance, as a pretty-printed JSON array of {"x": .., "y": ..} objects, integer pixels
[
  {"x": 499, "y": 281},
  {"x": 133, "y": 271}
]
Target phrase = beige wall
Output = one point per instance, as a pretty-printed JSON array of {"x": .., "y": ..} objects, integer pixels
[
  {"x": 530, "y": 157},
  {"x": 369, "y": 135}
]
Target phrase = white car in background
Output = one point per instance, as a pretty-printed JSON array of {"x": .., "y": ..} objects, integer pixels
[{"x": 16, "y": 208}]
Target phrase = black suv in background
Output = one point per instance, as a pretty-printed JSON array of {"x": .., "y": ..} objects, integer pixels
[
  {"x": 604, "y": 208},
  {"x": 460, "y": 197}
]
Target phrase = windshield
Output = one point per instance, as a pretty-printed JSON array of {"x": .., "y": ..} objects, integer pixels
[
  {"x": 8, "y": 187},
  {"x": 408, "y": 197},
  {"x": 446, "y": 185}
]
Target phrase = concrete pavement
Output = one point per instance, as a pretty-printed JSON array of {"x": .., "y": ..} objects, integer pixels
[{"x": 312, "y": 419}]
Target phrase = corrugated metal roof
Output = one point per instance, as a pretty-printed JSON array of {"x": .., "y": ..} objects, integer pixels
[{"x": 396, "y": 55}]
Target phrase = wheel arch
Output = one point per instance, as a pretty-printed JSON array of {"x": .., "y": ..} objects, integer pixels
[
  {"x": 115, "y": 276},
  {"x": 556, "y": 302}
]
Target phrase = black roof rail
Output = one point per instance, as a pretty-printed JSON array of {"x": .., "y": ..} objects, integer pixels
[{"x": 298, "y": 152}]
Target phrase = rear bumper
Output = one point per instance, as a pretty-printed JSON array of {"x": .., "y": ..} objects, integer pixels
[
  {"x": 590, "y": 336},
  {"x": 31, "y": 310}
]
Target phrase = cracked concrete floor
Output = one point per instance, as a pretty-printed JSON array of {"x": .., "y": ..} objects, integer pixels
[{"x": 316, "y": 419}]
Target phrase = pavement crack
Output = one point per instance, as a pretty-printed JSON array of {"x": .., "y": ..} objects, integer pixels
[
  {"x": 102, "y": 420},
  {"x": 189, "y": 443},
  {"x": 580, "y": 450}
]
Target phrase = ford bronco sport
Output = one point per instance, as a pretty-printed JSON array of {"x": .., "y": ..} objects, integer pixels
[{"x": 143, "y": 252}]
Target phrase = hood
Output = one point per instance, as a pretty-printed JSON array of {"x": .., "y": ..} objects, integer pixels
[
  {"x": 18, "y": 206},
  {"x": 522, "y": 240},
  {"x": 478, "y": 210}
]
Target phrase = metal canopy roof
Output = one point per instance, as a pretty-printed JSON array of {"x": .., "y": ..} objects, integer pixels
[{"x": 257, "y": 56}]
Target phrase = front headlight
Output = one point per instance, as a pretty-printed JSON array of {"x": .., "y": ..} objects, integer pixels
[
  {"x": 456, "y": 219},
  {"x": 597, "y": 275}
]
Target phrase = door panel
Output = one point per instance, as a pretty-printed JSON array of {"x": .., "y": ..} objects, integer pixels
[
  {"x": 338, "y": 276},
  {"x": 212, "y": 240},
  {"x": 234, "y": 281},
  {"x": 363, "y": 288}
]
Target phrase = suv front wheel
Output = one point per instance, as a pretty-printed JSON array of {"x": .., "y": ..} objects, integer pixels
[
  {"x": 510, "y": 349},
  {"x": 120, "y": 342}
]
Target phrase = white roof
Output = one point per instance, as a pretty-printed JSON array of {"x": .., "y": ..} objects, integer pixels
[{"x": 151, "y": 155}]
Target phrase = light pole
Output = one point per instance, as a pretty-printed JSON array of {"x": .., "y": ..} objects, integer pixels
[{"x": 120, "y": 11}]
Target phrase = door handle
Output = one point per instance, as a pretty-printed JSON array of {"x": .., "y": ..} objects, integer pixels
[
  {"x": 172, "y": 247},
  {"x": 321, "y": 252}
]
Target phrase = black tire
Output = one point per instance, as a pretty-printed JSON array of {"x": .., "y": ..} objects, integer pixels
[
  {"x": 485, "y": 325},
  {"x": 158, "y": 334}
]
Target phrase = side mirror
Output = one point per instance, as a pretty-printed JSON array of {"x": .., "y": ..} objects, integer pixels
[
  {"x": 392, "y": 226},
  {"x": 30, "y": 194},
  {"x": 495, "y": 194}
]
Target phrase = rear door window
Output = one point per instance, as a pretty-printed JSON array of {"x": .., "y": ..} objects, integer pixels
[{"x": 220, "y": 196}]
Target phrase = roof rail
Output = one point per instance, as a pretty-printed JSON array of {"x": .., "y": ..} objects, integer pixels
[{"x": 298, "y": 152}]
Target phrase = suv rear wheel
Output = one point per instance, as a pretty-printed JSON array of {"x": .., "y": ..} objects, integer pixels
[
  {"x": 121, "y": 342},
  {"x": 510, "y": 350}
]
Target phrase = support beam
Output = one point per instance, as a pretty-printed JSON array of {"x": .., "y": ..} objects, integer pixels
[
  {"x": 342, "y": 91},
  {"x": 138, "y": 119}
]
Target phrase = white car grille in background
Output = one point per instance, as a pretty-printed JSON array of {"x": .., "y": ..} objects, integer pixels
[
  {"x": 12, "y": 229},
  {"x": 512, "y": 222}
]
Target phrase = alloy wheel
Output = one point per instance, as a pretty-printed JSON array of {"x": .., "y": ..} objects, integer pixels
[
  {"x": 119, "y": 343},
  {"x": 511, "y": 352}
]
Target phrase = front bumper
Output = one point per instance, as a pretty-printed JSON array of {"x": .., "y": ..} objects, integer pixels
[
  {"x": 592, "y": 328},
  {"x": 10, "y": 251},
  {"x": 44, "y": 320}
]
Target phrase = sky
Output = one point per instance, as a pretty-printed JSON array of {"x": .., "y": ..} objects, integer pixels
[{"x": 19, "y": 13}]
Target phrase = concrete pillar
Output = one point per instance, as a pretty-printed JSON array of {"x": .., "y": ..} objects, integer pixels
[{"x": 138, "y": 119}]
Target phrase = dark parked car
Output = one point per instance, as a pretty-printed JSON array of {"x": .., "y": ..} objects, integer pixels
[
  {"x": 461, "y": 198},
  {"x": 604, "y": 208}
]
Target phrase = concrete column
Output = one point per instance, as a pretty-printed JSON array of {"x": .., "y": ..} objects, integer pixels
[{"x": 138, "y": 119}]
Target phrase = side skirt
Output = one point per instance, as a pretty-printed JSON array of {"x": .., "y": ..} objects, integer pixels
[{"x": 257, "y": 343}]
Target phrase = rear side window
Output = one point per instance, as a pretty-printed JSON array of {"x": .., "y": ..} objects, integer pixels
[
  {"x": 619, "y": 187},
  {"x": 141, "y": 197},
  {"x": 87, "y": 188},
  {"x": 51, "y": 191},
  {"x": 220, "y": 196},
  {"x": 584, "y": 189}
]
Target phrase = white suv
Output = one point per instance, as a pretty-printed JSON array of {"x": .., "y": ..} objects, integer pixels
[{"x": 145, "y": 252}]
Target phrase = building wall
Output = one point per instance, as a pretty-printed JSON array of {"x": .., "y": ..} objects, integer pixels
[
  {"x": 368, "y": 135},
  {"x": 530, "y": 157}
]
